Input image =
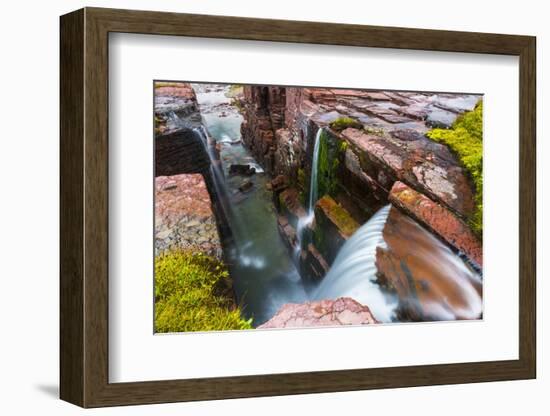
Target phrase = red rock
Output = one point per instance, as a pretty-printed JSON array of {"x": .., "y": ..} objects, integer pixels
[
  {"x": 342, "y": 311},
  {"x": 289, "y": 200},
  {"x": 422, "y": 164},
  {"x": 376, "y": 147},
  {"x": 430, "y": 281},
  {"x": 439, "y": 219},
  {"x": 279, "y": 183},
  {"x": 410, "y": 157},
  {"x": 182, "y": 89},
  {"x": 184, "y": 218}
]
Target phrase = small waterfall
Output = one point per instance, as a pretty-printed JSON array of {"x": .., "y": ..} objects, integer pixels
[
  {"x": 314, "y": 169},
  {"x": 304, "y": 222},
  {"x": 353, "y": 272},
  {"x": 216, "y": 171}
]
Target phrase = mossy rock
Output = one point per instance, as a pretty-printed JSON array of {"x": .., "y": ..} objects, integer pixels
[
  {"x": 465, "y": 139},
  {"x": 343, "y": 123},
  {"x": 331, "y": 155},
  {"x": 333, "y": 226},
  {"x": 338, "y": 215},
  {"x": 301, "y": 178}
]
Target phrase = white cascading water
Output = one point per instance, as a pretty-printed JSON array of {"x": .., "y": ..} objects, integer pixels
[
  {"x": 314, "y": 170},
  {"x": 216, "y": 171},
  {"x": 304, "y": 222},
  {"x": 353, "y": 272}
]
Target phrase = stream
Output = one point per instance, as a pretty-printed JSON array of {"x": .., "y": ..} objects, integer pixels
[{"x": 264, "y": 275}]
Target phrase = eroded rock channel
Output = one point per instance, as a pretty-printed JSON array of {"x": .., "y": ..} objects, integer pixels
[{"x": 328, "y": 206}]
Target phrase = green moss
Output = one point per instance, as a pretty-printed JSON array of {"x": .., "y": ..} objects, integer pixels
[
  {"x": 339, "y": 216},
  {"x": 374, "y": 131},
  {"x": 160, "y": 84},
  {"x": 331, "y": 150},
  {"x": 332, "y": 221},
  {"x": 343, "y": 123},
  {"x": 191, "y": 294},
  {"x": 234, "y": 91},
  {"x": 301, "y": 178},
  {"x": 465, "y": 139}
]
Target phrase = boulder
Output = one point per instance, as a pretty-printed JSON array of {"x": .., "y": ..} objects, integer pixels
[
  {"x": 290, "y": 205},
  {"x": 342, "y": 311},
  {"x": 279, "y": 183},
  {"x": 246, "y": 186},
  {"x": 238, "y": 169}
]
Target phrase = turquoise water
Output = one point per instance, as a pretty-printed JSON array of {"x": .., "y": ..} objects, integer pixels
[{"x": 263, "y": 273}]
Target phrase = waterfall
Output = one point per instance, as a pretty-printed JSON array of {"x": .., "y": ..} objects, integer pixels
[
  {"x": 304, "y": 222},
  {"x": 216, "y": 172},
  {"x": 353, "y": 272},
  {"x": 314, "y": 169}
]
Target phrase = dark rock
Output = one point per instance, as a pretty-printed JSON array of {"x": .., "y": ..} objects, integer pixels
[
  {"x": 180, "y": 152},
  {"x": 315, "y": 265},
  {"x": 333, "y": 226},
  {"x": 237, "y": 169},
  {"x": 246, "y": 186}
]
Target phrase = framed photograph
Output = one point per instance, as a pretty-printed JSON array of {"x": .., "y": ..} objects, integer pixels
[{"x": 256, "y": 207}]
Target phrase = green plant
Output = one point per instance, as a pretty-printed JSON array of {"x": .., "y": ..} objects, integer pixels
[
  {"x": 160, "y": 84},
  {"x": 193, "y": 293},
  {"x": 331, "y": 150},
  {"x": 234, "y": 90},
  {"x": 343, "y": 123},
  {"x": 465, "y": 139}
]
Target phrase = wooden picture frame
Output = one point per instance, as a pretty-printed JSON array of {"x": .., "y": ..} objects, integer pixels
[{"x": 84, "y": 207}]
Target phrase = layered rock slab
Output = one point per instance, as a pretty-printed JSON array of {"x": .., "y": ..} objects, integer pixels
[
  {"x": 438, "y": 219},
  {"x": 342, "y": 311},
  {"x": 184, "y": 219}
]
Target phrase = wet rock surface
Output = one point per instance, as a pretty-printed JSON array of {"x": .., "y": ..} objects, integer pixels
[
  {"x": 183, "y": 215},
  {"x": 333, "y": 226},
  {"x": 342, "y": 311},
  {"x": 172, "y": 101},
  {"x": 245, "y": 170},
  {"x": 384, "y": 142},
  {"x": 391, "y": 142},
  {"x": 431, "y": 282},
  {"x": 373, "y": 151},
  {"x": 180, "y": 151},
  {"x": 438, "y": 219}
]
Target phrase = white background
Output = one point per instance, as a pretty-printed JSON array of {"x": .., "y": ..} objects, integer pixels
[
  {"x": 131, "y": 209},
  {"x": 29, "y": 217}
]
